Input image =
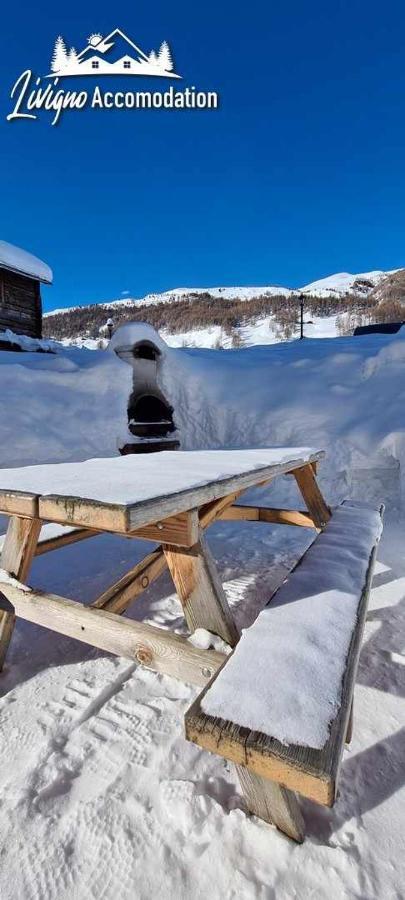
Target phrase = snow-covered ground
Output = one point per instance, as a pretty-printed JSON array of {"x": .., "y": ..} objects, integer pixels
[
  {"x": 263, "y": 330},
  {"x": 100, "y": 794}
]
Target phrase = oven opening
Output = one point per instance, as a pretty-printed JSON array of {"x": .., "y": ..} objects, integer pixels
[
  {"x": 146, "y": 350},
  {"x": 150, "y": 416}
]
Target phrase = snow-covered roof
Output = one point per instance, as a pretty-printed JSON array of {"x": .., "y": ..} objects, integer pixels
[{"x": 18, "y": 260}]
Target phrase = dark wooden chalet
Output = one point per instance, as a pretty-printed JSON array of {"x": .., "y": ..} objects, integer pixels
[{"x": 21, "y": 275}]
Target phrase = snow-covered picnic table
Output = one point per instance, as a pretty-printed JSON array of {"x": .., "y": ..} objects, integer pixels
[
  {"x": 123, "y": 493},
  {"x": 169, "y": 497},
  {"x": 270, "y": 707}
]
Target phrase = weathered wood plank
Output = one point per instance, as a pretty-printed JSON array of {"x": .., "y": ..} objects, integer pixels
[
  {"x": 155, "y": 648},
  {"x": 212, "y": 511},
  {"x": 63, "y": 540},
  {"x": 266, "y": 514},
  {"x": 19, "y": 546},
  {"x": 272, "y": 803},
  {"x": 241, "y": 514},
  {"x": 200, "y": 590},
  {"x": 123, "y": 592},
  {"x": 260, "y": 754},
  {"x": 7, "y": 623},
  {"x": 19, "y": 503},
  {"x": 16, "y": 558},
  {"x": 308, "y": 485},
  {"x": 181, "y": 530},
  {"x": 311, "y": 772},
  {"x": 85, "y": 513}
]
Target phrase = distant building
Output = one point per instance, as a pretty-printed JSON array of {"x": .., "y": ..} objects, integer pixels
[
  {"x": 21, "y": 275},
  {"x": 380, "y": 328}
]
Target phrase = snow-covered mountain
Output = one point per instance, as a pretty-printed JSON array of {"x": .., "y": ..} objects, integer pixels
[
  {"x": 336, "y": 285},
  {"x": 345, "y": 283},
  {"x": 230, "y": 317},
  {"x": 333, "y": 285}
]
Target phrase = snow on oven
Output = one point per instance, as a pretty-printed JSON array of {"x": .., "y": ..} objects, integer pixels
[{"x": 150, "y": 415}]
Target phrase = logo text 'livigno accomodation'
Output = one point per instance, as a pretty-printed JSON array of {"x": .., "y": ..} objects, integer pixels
[{"x": 115, "y": 54}]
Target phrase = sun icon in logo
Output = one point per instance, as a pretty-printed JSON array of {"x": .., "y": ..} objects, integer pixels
[{"x": 95, "y": 39}]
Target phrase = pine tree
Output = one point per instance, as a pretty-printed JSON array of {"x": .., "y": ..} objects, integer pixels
[
  {"x": 153, "y": 59},
  {"x": 59, "y": 58},
  {"x": 72, "y": 59},
  {"x": 164, "y": 58}
]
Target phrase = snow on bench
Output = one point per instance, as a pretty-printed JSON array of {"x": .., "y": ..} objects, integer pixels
[{"x": 281, "y": 702}]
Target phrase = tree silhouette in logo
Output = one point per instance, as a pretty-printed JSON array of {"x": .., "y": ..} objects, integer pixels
[
  {"x": 164, "y": 57},
  {"x": 59, "y": 56}
]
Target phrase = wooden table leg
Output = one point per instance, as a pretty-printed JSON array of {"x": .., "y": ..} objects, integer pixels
[
  {"x": 123, "y": 592},
  {"x": 200, "y": 590},
  {"x": 119, "y": 596},
  {"x": 273, "y": 803},
  {"x": 308, "y": 485},
  {"x": 18, "y": 552}
]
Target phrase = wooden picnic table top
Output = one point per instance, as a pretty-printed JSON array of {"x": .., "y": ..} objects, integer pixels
[{"x": 124, "y": 493}]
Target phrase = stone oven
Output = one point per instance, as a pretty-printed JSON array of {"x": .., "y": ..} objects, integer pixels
[{"x": 150, "y": 415}]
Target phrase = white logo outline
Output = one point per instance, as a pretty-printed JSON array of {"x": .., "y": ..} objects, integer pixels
[{"x": 91, "y": 62}]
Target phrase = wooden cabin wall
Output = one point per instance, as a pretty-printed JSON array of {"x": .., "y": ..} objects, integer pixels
[{"x": 20, "y": 304}]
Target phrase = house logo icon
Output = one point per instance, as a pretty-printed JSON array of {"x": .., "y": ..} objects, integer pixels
[{"x": 115, "y": 54}]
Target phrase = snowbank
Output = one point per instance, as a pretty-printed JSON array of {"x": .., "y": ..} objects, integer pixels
[
  {"x": 60, "y": 407},
  {"x": 29, "y": 343},
  {"x": 345, "y": 395}
]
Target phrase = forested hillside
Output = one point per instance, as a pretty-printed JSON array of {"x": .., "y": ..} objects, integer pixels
[{"x": 198, "y": 311}]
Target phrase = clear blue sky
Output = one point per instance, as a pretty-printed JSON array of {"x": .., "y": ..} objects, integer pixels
[{"x": 300, "y": 173}]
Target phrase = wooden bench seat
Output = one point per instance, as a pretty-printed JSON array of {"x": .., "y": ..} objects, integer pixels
[{"x": 279, "y": 706}]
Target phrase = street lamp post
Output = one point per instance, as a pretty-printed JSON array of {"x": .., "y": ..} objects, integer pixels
[
  {"x": 302, "y": 317},
  {"x": 301, "y": 322}
]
